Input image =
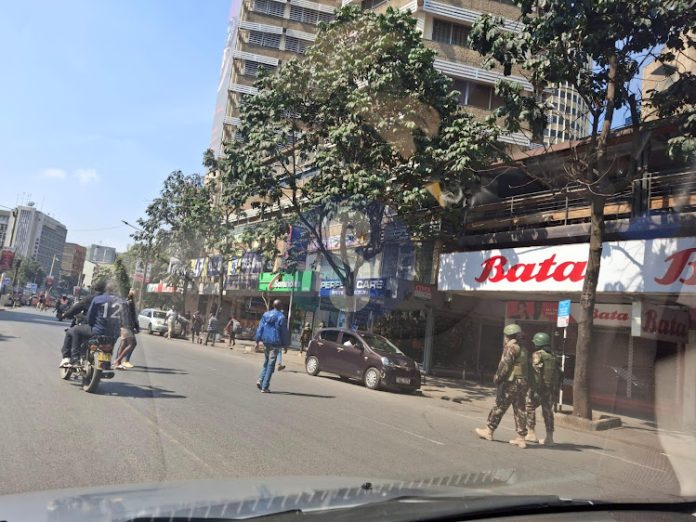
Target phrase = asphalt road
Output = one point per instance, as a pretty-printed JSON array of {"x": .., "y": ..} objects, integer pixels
[{"x": 189, "y": 412}]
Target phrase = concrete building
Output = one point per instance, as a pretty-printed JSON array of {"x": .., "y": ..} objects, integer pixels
[
  {"x": 4, "y": 224},
  {"x": 38, "y": 236},
  {"x": 264, "y": 35},
  {"x": 658, "y": 76},
  {"x": 73, "y": 260},
  {"x": 268, "y": 32},
  {"x": 87, "y": 273},
  {"x": 101, "y": 254}
]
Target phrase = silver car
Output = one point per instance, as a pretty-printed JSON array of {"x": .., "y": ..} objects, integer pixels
[{"x": 153, "y": 321}]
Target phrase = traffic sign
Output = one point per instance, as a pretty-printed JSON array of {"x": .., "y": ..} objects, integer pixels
[{"x": 563, "y": 318}]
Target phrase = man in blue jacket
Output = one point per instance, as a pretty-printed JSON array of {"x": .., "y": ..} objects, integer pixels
[{"x": 273, "y": 333}]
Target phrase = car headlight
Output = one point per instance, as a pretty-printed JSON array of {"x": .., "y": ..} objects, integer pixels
[{"x": 387, "y": 362}]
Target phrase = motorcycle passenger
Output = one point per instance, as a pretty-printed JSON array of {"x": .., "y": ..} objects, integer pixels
[
  {"x": 78, "y": 333},
  {"x": 104, "y": 314}
]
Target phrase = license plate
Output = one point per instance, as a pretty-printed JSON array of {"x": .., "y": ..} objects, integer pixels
[
  {"x": 103, "y": 357},
  {"x": 403, "y": 380}
]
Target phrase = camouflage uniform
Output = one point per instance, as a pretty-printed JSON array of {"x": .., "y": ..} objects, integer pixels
[
  {"x": 544, "y": 390},
  {"x": 512, "y": 381}
]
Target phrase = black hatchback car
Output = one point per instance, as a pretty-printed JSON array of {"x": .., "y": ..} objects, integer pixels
[{"x": 368, "y": 357}]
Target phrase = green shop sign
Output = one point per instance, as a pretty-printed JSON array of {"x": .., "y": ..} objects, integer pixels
[{"x": 301, "y": 281}]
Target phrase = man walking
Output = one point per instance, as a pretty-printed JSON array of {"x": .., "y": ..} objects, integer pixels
[
  {"x": 305, "y": 337},
  {"x": 546, "y": 379},
  {"x": 273, "y": 333},
  {"x": 512, "y": 382},
  {"x": 196, "y": 326},
  {"x": 212, "y": 329},
  {"x": 172, "y": 318}
]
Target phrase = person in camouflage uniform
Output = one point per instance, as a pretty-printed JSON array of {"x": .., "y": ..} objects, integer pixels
[
  {"x": 544, "y": 389},
  {"x": 512, "y": 382}
]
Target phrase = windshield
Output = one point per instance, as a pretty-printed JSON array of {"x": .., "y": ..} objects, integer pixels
[
  {"x": 381, "y": 344},
  {"x": 497, "y": 196}
]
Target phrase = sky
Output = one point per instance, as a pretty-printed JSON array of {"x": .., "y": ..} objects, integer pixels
[{"x": 100, "y": 101}]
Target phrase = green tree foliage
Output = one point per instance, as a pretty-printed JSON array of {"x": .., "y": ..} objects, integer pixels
[
  {"x": 30, "y": 271},
  {"x": 121, "y": 275},
  {"x": 353, "y": 135},
  {"x": 598, "y": 48}
]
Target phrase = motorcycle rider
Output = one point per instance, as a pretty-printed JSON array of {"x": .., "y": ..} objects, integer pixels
[
  {"x": 106, "y": 314},
  {"x": 78, "y": 333}
]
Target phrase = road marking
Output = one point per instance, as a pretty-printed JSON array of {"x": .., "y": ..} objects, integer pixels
[
  {"x": 627, "y": 461},
  {"x": 397, "y": 428}
]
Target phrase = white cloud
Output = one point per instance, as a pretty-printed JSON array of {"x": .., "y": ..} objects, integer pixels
[
  {"x": 86, "y": 176},
  {"x": 53, "y": 173}
]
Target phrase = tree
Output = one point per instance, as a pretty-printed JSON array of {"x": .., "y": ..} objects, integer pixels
[
  {"x": 121, "y": 275},
  {"x": 177, "y": 224},
  {"x": 102, "y": 273},
  {"x": 598, "y": 47},
  {"x": 30, "y": 271},
  {"x": 354, "y": 135}
]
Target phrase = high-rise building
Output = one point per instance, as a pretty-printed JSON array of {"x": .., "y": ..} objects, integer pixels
[
  {"x": 264, "y": 35},
  {"x": 73, "y": 260},
  {"x": 4, "y": 224},
  {"x": 268, "y": 32},
  {"x": 101, "y": 254},
  {"x": 38, "y": 236}
]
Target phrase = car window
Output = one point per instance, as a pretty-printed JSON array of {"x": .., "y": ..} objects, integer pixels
[
  {"x": 381, "y": 344},
  {"x": 330, "y": 335},
  {"x": 354, "y": 340},
  {"x": 159, "y": 315}
]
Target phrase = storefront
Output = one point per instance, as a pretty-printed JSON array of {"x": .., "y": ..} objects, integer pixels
[{"x": 641, "y": 319}]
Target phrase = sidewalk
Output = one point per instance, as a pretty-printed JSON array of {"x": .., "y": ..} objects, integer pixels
[{"x": 473, "y": 397}]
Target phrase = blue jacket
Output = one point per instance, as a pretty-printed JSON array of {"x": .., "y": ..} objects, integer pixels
[
  {"x": 105, "y": 315},
  {"x": 273, "y": 329}
]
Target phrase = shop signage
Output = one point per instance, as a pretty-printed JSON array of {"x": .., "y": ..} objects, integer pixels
[
  {"x": 661, "y": 323},
  {"x": 615, "y": 315},
  {"x": 374, "y": 287},
  {"x": 563, "y": 316},
  {"x": 209, "y": 288},
  {"x": 298, "y": 282},
  {"x": 162, "y": 288},
  {"x": 665, "y": 265},
  {"x": 421, "y": 291},
  {"x": 6, "y": 257},
  {"x": 32, "y": 287}
]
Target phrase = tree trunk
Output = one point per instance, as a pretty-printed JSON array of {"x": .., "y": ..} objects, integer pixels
[
  {"x": 184, "y": 292},
  {"x": 582, "y": 406}
]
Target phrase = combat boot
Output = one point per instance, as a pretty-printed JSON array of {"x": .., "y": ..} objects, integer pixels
[
  {"x": 519, "y": 442},
  {"x": 531, "y": 436},
  {"x": 484, "y": 433},
  {"x": 548, "y": 441}
]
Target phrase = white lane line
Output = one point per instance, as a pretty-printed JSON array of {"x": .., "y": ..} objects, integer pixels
[
  {"x": 627, "y": 461},
  {"x": 403, "y": 430}
]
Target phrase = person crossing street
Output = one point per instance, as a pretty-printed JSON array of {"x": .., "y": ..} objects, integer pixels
[
  {"x": 544, "y": 390},
  {"x": 512, "y": 381},
  {"x": 273, "y": 333}
]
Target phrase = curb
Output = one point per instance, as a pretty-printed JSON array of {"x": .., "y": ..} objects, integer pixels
[{"x": 599, "y": 423}]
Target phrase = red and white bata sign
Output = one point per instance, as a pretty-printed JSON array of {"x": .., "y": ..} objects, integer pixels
[
  {"x": 649, "y": 266},
  {"x": 660, "y": 323}
]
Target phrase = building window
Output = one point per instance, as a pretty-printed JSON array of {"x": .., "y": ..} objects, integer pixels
[
  {"x": 450, "y": 33},
  {"x": 301, "y": 14},
  {"x": 477, "y": 95},
  {"x": 252, "y": 68},
  {"x": 325, "y": 17},
  {"x": 295, "y": 45},
  {"x": 269, "y": 7},
  {"x": 371, "y": 4},
  {"x": 264, "y": 39}
]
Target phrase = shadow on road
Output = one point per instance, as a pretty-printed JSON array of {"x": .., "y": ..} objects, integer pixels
[
  {"x": 32, "y": 317},
  {"x": 558, "y": 446},
  {"x": 155, "y": 369},
  {"x": 124, "y": 389},
  {"x": 6, "y": 337},
  {"x": 297, "y": 394}
]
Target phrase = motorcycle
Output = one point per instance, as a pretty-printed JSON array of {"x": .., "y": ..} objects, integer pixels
[{"x": 94, "y": 364}]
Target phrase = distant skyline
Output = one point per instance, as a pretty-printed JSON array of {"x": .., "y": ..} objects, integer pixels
[{"x": 106, "y": 99}]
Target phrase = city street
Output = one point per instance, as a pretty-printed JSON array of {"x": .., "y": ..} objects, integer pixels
[{"x": 190, "y": 412}]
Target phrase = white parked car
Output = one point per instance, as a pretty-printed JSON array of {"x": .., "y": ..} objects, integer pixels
[{"x": 153, "y": 321}]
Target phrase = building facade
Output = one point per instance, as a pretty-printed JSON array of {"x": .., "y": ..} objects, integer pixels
[
  {"x": 265, "y": 34},
  {"x": 4, "y": 224},
  {"x": 101, "y": 254},
  {"x": 73, "y": 261},
  {"x": 38, "y": 236}
]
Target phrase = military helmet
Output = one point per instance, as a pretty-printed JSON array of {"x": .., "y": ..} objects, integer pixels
[
  {"x": 541, "y": 339},
  {"x": 512, "y": 329}
]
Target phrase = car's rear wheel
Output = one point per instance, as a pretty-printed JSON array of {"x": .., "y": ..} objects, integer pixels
[
  {"x": 372, "y": 378},
  {"x": 312, "y": 365}
]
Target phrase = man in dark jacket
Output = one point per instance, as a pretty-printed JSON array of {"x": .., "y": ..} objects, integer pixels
[
  {"x": 273, "y": 333},
  {"x": 80, "y": 332}
]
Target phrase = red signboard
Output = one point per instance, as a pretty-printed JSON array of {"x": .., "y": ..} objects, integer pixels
[{"x": 6, "y": 257}]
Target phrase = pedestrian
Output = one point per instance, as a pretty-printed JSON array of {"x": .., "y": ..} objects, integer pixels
[
  {"x": 196, "y": 326},
  {"x": 212, "y": 330},
  {"x": 231, "y": 330},
  {"x": 172, "y": 318},
  {"x": 129, "y": 328},
  {"x": 40, "y": 304},
  {"x": 305, "y": 337},
  {"x": 511, "y": 380},
  {"x": 273, "y": 333},
  {"x": 544, "y": 390}
]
